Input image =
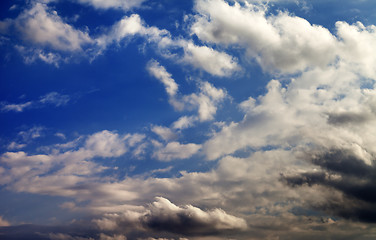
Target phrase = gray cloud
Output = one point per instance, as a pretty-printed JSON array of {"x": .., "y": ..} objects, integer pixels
[{"x": 343, "y": 172}]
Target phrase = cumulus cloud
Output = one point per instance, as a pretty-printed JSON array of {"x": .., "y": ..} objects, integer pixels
[
  {"x": 162, "y": 215},
  {"x": 282, "y": 42},
  {"x": 44, "y": 27}
]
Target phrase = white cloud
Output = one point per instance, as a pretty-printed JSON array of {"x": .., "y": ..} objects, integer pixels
[
  {"x": 160, "y": 73},
  {"x": 6, "y": 107},
  {"x": 164, "y": 132},
  {"x": 55, "y": 98},
  {"x": 175, "y": 150},
  {"x": 44, "y": 27},
  {"x": 52, "y": 98},
  {"x": 282, "y": 42},
  {"x": 14, "y": 146},
  {"x": 206, "y": 100},
  {"x": 105, "y": 144},
  {"x": 184, "y": 122},
  {"x": 116, "y": 4},
  {"x": 213, "y": 62}
]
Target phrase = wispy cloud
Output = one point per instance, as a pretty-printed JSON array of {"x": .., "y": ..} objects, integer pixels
[{"x": 52, "y": 98}]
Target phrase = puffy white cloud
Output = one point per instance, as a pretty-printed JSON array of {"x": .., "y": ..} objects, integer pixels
[
  {"x": 213, "y": 62},
  {"x": 282, "y": 42},
  {"x": 106, "y": 144},
  {"x": 357, "y": 44},
  {"x": 175, "y": 150},
  {"x": 129, "y": 27},
  {"x": 44, "y": 27},
  {"x": 207, "y": 100}
]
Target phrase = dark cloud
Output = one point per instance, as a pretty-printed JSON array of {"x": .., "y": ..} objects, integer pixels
[
  {"x": 344, "y": 173},
  {"x": 348, "y": 117},
  {"x": 36, "y": 232}
]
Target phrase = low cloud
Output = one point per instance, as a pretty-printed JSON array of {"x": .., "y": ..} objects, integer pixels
[
  {"x": 162, "y": 215},
  {"x": 343, "y": 172}
]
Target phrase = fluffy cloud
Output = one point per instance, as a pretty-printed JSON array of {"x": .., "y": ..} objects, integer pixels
[
  {"x": 44, "y": 27},
  {"x": 281, "y": 42},
  {"x": 162, "y": 215},
  {"x": 66, "y": 168}
]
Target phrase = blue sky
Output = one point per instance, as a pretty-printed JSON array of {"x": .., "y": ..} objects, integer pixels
[{"x": 202, "y": 119}]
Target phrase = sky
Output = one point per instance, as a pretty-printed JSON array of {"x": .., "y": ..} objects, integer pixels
[{"x": 194, "y": 119}]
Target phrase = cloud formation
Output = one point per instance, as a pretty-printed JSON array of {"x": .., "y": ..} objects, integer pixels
[{"x": 162, "y": 215}]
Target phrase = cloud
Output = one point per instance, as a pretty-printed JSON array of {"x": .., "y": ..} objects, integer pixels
[
  {"x": 201, "y": 57},
  {"x": 32, "y": 133},
  {"x": 175, "y": 150},
  {"x": 160, "y": 73},
  {"x": 281, "y": 42},
  {"x": 162, "y": 215},
  {"x": 62, "y": 169},
  {"x": 210, "y": 60},
  {"x": 7, "y": 107},
  {"x": 3, "y": 222},
  {"x": 164, "y": 132},
  {"x": 53, "y": 98},
  {"x": 184, "y": 122},
  {"x": 206, "y": 100},
  {"x": 46, "y": 28},
  {"x": 344, "y": 172},
  {"x": 124, "y": 5}
]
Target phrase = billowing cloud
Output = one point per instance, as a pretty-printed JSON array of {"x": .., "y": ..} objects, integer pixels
[
  {"x": 162, "y": 215},
  {"x": 283, "y": 42},
  {"x": 346, "y": 174}
]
